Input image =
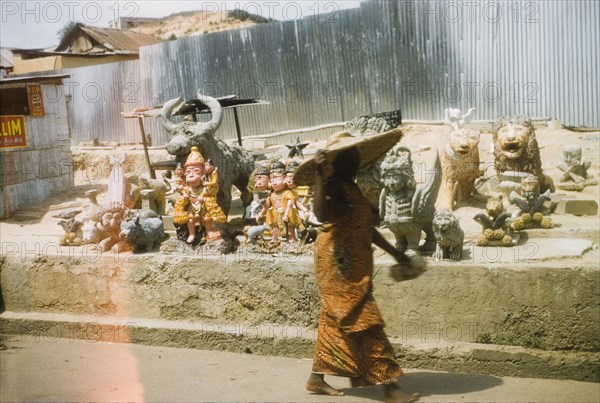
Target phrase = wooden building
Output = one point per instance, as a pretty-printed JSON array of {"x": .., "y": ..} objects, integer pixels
[
  {"x": 35, "y": 149},
  {"x": 83, "y": 46}
]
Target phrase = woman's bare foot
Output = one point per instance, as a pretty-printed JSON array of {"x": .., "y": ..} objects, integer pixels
[
  {"x": 191, "y": 239},
  {"x": 393, "y": 394},
  {"x": 317, "y": 384},
  {"x": 359, "y": 381}
]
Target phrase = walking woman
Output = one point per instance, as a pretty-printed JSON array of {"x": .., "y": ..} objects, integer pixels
[{"x": 351, "y": 341}]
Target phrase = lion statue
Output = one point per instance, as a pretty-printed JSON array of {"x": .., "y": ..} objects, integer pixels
[
  {"x": 516, "y": 153},
  {"x": 460, "y": 168},
  {"x": 448, "y": 235}
]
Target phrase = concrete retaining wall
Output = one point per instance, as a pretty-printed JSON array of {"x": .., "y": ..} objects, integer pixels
[{"x": 547, "y": 306}]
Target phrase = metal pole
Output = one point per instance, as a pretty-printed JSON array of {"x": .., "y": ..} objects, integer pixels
[
  {"x": 237, "y": 126},
  {"x": 141, "y": 122}
]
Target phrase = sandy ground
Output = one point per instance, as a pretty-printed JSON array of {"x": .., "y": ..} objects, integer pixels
[
  {"x": 51, "y": 369},
  {"x": 192, "y": 24}
]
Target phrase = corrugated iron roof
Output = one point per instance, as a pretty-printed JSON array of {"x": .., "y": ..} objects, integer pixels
[
  {"x": 6, "y": 58},
  {"x": 34, "y": 78},
  {"x": 84, "y": 40}
]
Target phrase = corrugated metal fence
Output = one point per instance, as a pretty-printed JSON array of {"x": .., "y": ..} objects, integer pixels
[{"x": 538, "y": 58}]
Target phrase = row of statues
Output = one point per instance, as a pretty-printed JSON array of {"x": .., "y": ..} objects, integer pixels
[
  {"x": 276, "y": 210},
  {"x": 278, "y": 206},
  {"x": 116, "y": 225}
]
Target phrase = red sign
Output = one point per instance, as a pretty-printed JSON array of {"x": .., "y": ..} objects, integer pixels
[
  {"x": 36, "y": 100},
  {"x": 12, "y": 132}
]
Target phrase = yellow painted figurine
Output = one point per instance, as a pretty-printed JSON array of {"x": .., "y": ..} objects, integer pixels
[{"x": 279, "y": 211}]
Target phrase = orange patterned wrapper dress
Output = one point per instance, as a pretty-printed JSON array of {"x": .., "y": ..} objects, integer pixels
[{"x": 351, "y": 341}]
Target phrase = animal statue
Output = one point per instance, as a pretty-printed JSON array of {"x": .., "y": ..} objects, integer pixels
[
  {"x": 448, "y": 235},
  {"x": 530, "y": 204},
  {"x": 454, "y": 119},
  {"x": 143, "y": 234},
  {"x": 110, "y": 222},
  {"x": 460, "y": 167},
  {"x": 405, "y": 209},
  {"x": 255, "y": 232},
  {"x": 235, "y": 164},
  {"x": 138, "y": 183},
  {"x": 92, "y": 233},
  {"x": 495, "y": 223},
  {"x": 73, "y": 233},
  {"x": 68, "y": 214},
  {"x": 516, "y": 151}
]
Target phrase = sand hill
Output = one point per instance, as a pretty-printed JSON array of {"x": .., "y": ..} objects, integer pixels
[{"x": 199, "y": 22}]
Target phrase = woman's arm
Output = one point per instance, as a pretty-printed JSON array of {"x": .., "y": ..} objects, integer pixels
[
  {"x": 381, "y": 242},
  {"x": 324, "y": 194}
]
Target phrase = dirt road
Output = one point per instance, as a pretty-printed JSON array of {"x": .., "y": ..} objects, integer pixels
[{"x": 46, "y": 369}]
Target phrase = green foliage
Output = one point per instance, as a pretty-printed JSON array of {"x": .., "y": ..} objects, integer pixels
[
  {"x": 64, "y": 31},
  {"x": 172, "y": 37},
  {"x": 242, "y": 15},
  {"x": 484, "y": 338}
]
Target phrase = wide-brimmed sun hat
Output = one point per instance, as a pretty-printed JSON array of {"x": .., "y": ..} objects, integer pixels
[{"x": 369, "y": 149}]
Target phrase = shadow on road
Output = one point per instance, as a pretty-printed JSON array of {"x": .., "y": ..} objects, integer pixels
[{"x": 432, "y": 383}]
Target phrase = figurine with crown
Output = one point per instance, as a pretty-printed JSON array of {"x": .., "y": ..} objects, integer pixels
[
  {"x": 212, "y": 211},
  {"x": 279, "y": 210},
  {"x": 191, "y": 208},
  {"x": 301, "y": 193}
]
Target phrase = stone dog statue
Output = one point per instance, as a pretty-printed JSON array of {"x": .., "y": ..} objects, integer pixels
[
  {"x": 449, "y": 236},
  {"x": 235, "y": 164},
  {"x": 143, "y": 234}
]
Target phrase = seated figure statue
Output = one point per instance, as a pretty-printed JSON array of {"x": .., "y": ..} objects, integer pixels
[{"x": 575, "y": 174}]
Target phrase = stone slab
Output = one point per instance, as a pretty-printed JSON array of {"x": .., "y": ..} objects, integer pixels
[
  {"x": 168, "y": 223},
  {"x": 537, "y": 249},
  {"x": 255, "y": 144},
  {"x": 577, "y": 207}
]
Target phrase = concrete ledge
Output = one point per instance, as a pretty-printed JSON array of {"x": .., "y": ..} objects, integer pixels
[
  {"x": 550, "y": 305},
  {"x": 268, "y": 339}
]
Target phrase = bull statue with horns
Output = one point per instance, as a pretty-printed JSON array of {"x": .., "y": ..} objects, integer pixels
[{"x": 235, "y": 164}]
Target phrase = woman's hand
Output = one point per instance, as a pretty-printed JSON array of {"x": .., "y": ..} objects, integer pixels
[
  {"x": 320, "y": 159},
  {"x": 400, "y": 256}
]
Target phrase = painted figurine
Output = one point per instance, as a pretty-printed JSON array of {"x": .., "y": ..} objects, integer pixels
[
  {"x": 190, "y": 209},
  {"x": 302, "y": 193},
  {"x": 260, "y": 192},
  {"x": 213, "y": 213},
  {"x": 279, "y": 212},
  {"x": 179, "y": 178}
]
